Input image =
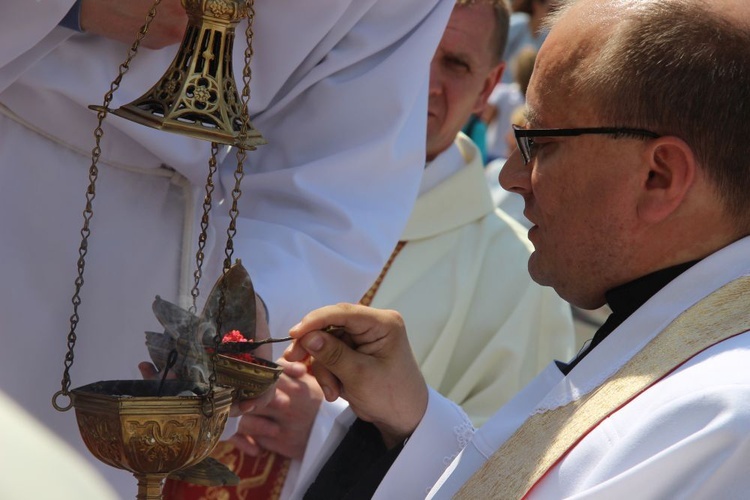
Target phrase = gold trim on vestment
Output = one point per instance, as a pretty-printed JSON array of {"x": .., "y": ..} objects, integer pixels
[{"x": 544, "y": 438}]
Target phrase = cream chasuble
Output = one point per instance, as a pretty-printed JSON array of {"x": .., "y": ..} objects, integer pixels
[{"x": 479, "y": 326}]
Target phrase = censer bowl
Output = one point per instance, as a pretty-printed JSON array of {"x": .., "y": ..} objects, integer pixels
[
  {"x": 128, "y": 425},
  {"x": 249, "y": 379}
]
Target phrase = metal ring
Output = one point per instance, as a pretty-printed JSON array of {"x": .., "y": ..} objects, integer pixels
[{"x": 57, "y": 406}]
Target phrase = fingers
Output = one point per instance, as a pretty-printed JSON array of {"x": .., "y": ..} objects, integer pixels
[
  {"x": 352, "y": 318},
  {"x": 295, "y": 353},
  {"x": 329, "y": 355},
  {"x": 292, "y": 369},
  {"x": 256, "y": 432},
  {"x": 258, "y": 427},
  {"x": 360, "y": 327},
  {"x": 121, "y": 21},
  {"x": 371, "y": 365},
  {"x": 327, "y": 350},
  {"x": 284, "y": 425},
  {"x": 367, "y": 331},
  {"x": 251, "y": 428},
  {"x": 271, "y": 401},
  {"x": 329, "y": 383},
  {"x": 246, "y": 444},
  {"x": 242, "y": 406}
]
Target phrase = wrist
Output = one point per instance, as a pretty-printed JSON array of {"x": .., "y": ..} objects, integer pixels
[
  {"x": 398, "y": 430},
  {"x": 393, "y": 439}
]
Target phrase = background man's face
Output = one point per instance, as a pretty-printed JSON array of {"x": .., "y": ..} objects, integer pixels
[{"x": 462, "y": 74}]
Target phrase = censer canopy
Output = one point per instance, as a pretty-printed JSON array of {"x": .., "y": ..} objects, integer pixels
[{"x": 197, "y": 95}]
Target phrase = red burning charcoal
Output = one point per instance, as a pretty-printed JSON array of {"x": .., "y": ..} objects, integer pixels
[{"x": 236, "y": 336}]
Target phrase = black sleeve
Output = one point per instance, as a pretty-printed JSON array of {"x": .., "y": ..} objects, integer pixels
[{"x": 356, "y": 468}]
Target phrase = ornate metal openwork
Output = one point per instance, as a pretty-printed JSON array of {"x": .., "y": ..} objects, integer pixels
[{"x": 197, "y": 95}]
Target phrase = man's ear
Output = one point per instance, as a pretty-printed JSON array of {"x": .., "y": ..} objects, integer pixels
[
  {"x": 672, "y": 169},
  {"x": 490, "y": 82}
]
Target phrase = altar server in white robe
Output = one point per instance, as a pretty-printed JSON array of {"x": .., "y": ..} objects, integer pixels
[
  {"x": 323, "y": 202},
  {"x": 635, "y": 177}
]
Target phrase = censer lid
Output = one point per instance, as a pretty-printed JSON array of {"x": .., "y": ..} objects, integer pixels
[{"x": 197, "y": 95}]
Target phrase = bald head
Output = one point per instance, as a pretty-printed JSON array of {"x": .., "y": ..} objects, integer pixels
[
  {"x": 678, "y": 67},
  {"x": 610, "y": 208},
  {"x": 738, "y": 10}
]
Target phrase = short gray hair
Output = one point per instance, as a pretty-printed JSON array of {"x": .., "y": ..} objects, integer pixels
[{"x": 678, "y": 67}]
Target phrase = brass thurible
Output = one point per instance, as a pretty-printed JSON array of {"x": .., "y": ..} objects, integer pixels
[
  {"x": 197, "y": 95},
  {"x": 156, "y": 428}
]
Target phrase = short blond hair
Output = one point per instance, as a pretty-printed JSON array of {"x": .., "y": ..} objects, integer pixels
[{"x": 502, "y": 24}]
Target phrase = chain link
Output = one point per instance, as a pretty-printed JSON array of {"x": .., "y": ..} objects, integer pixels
[
  {"x": 88, "y": 212},
  {"x": 238, "y": 176},
  {"x": 245, "y": 126},
  {"x": 202, "y": 236}
]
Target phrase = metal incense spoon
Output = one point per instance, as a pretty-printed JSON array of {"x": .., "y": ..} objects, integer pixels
[{"x": 242, "y": 347}]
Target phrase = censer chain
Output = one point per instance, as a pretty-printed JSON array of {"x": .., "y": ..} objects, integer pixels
[
  {"x": 239, "y": 174},
  {"x": 88, "y": 212}
]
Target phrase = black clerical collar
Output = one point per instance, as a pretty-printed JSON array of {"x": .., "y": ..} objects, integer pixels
[{"x": 624, "y": 300}]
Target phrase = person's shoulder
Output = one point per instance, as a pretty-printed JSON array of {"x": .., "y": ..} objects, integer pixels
[
  {"x": 722, "y": 363},
  {"x": 716, "y": 378}
]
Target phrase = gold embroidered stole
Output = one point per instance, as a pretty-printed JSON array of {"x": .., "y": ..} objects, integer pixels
[
  {"x": 369, "y": 295},
  {"x": 544, "y": 438}
]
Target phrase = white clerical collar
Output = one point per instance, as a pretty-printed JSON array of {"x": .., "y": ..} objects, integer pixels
[{"x": 443, "y": 166}]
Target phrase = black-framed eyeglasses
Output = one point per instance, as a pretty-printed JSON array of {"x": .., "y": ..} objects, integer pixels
[{"x": 527, "y": 147}]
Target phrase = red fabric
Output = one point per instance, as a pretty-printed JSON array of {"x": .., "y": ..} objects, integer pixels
[{"x": 261, "y": 478}]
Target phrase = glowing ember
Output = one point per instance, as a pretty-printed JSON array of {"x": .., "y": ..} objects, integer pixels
[{"x": 236, "y": 336}]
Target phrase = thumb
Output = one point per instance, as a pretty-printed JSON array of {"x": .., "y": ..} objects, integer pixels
[
  {"x": 331, "y": 359},
  {"x": 326, "y": 349}
]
